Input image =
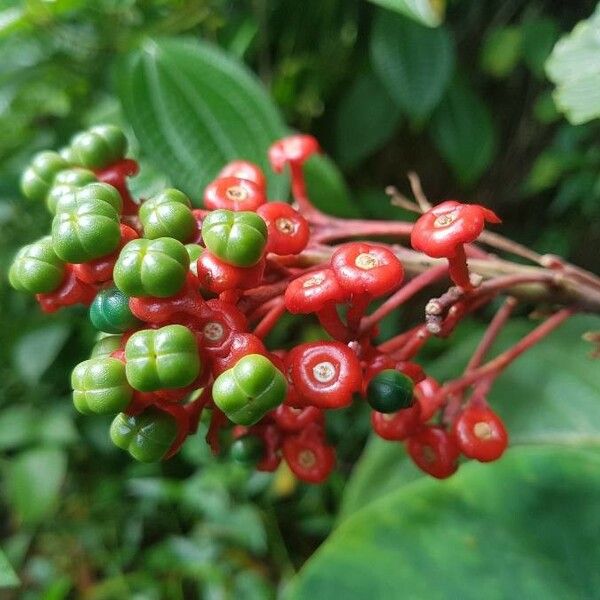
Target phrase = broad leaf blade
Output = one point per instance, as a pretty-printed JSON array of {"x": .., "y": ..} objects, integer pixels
[
  {"x": 193, "y": 108},
  {"x": 548, "y": 396},
  {"x": 463, "y": 131},
  {"x": 574, "y": 68},
  {"x": 505, "y": 525},
  {"x": 426, "y": 12},
  {"x": 414, "y": 63}
]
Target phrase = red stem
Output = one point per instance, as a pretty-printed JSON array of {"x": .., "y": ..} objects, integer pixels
[
  {"x": 270, "y": 320},
  {"x": 332, "y": 324},
  {"x": 459, "y": 270},
  {"x": 356, "y": 310}
]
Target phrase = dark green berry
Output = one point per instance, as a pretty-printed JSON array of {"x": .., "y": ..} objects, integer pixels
[
  {"x": 110, "y": 312},
  {"x": 390, "y": 391},
  {"x": 247, "y": 450}
]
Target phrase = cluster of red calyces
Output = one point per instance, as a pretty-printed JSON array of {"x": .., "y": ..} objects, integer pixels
[{"x": 185, "y": 298}]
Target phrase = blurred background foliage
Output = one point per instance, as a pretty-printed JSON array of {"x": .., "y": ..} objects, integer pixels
[{"x": 467, "y": 104}]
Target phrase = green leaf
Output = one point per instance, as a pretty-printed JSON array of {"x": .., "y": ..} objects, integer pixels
[
  {"x": 33, "y": 482},
  {"x": 193, "y": 108},
  {"x": 539, "y": 37},
  {"x": 530, "y": 397},
  {"x": 8, "y": 577},
  {"x": 35, "y": 351},
  {"x": 327, "y": 188},
  {"x": 426, "y": 12},
  {"x": 524, "y": 527},
  {"x": 367, "y": 118},
  {"x": 574, "y": 68},
  {"x": 463, "y": 132},
  {"x": 414, "y": 63}
]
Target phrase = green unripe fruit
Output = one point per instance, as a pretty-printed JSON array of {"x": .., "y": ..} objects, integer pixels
[
  {"x": 66, "y": 182},
  {"x": 98, "y": 147},
  {"x": 96, "y": 192},
  {"x": 246, "y": 392},
  {"x": 66, "y": 153},
  {"x": 162, "y": 358},
  {"x": 237, "y": 238},
  {"x": 168, "y": 215},
  {"x": 147, "y": 437},
  {"x": 247, "y": 450},
  {"x": 36, "y": 268},
  {"x": 106, "y": 345},
  {"x": 194, "y": 251},
  {"x": 100, "y": 386},
  {"x": 151, "y": 267},
  {"x": 109, "y": 312},
  {"x": 390, "y": 391},
  {"x": 90, "y": 231},
  {"x": 39, "y": 176}
]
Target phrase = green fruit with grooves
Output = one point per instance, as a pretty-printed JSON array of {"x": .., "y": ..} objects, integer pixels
[
  {"x": 101, "y": 192},
  {"x": 100, "y": 386},
  {"x": 106, "y": 345},
  {"x": 162, "y": 358},
  {"x": 151, "y": 268},
  {"x": 36, "y": 268},
  {"x": 250, "y": 389},
  {"x": 39, "y": 176},
  {"x": 147, "y": 437},
  {"x": 247, "y": 450},
  {"x": 168, "y": 214},
  {"x": 110, "y": 312},
  {"x": 390, "y": 391},
  {"x": 237, "y": 238},
  {"x": 194, "y": 251},
  {"x": 89, "y": 231},
  {"x": 99, "y": 146},
  {"x": 67, "y": 182}
]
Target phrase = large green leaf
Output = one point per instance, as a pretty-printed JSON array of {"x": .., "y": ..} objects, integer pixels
[
  {"x": 525, "y": 527},
  {"x": 193, "y": 108},
  {"x": 548, "y": 396},
  {"x": 413, "y": 62},
  {"x": 574, "y": 68},
  {"x": 426, "y": 12},
  {"x": 366, "y": 119},
  {"x": 463, "y": 132},
  {"x": 33, "y": 481}
]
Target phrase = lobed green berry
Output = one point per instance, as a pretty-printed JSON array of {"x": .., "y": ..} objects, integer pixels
[
  {"x": 390, "y": 391},
  {"x": 162, "y": 358},
  {"x": 151, "y": 267},
  {"x": 250, "y": 389},
  {"x": 106, "y": 345},
  {"x": 147, "y": 437},
  {"x": 39, "y": 176},
  {"x": 237, "y": 238},
  {"x": 98, "y": 147},
  {"x": 66, "y": 182},
  {"x": 110, "y": 312},
  {"x": 102, "y": 192},
  {"x": 89, "y": 231},
  {"x": 100, "y": 386},
  {"x": 168, "y": 215},
  {"x": 36, "y": 268}
]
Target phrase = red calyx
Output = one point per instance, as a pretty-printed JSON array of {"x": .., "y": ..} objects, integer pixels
[
  {"x": 397, "y": 426},
  {"x": 434, "y": 451},
  {"x": 293, "y": 419},
  {"x": 294, "y": 149},
  {"x": 308, "y": 455},
  {"x": 244, "y": 169},
  {"x": 289, "y": 231},
  {"x": 100, "y": 270},
  {"x": 326, "y": 374},
  {"x": 480, "y": 434},
  {"x": 367, "y": 269},
  {"x": 427, "y": 397},
  {"x": 311, "y": 292},
  {"x": 217, "y": 277},
  {"x": 233, "y": 193},
  {"x": 217, "y": 326},
  {"x": 71, "y": 291},
  {"x": 241, "y": 345},
  {"x": 162, "y": 311},
  {"x": 116, "y": 175}
]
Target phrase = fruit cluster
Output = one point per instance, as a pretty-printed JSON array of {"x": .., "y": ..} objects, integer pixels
[{"x": 184, "y": 298}]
